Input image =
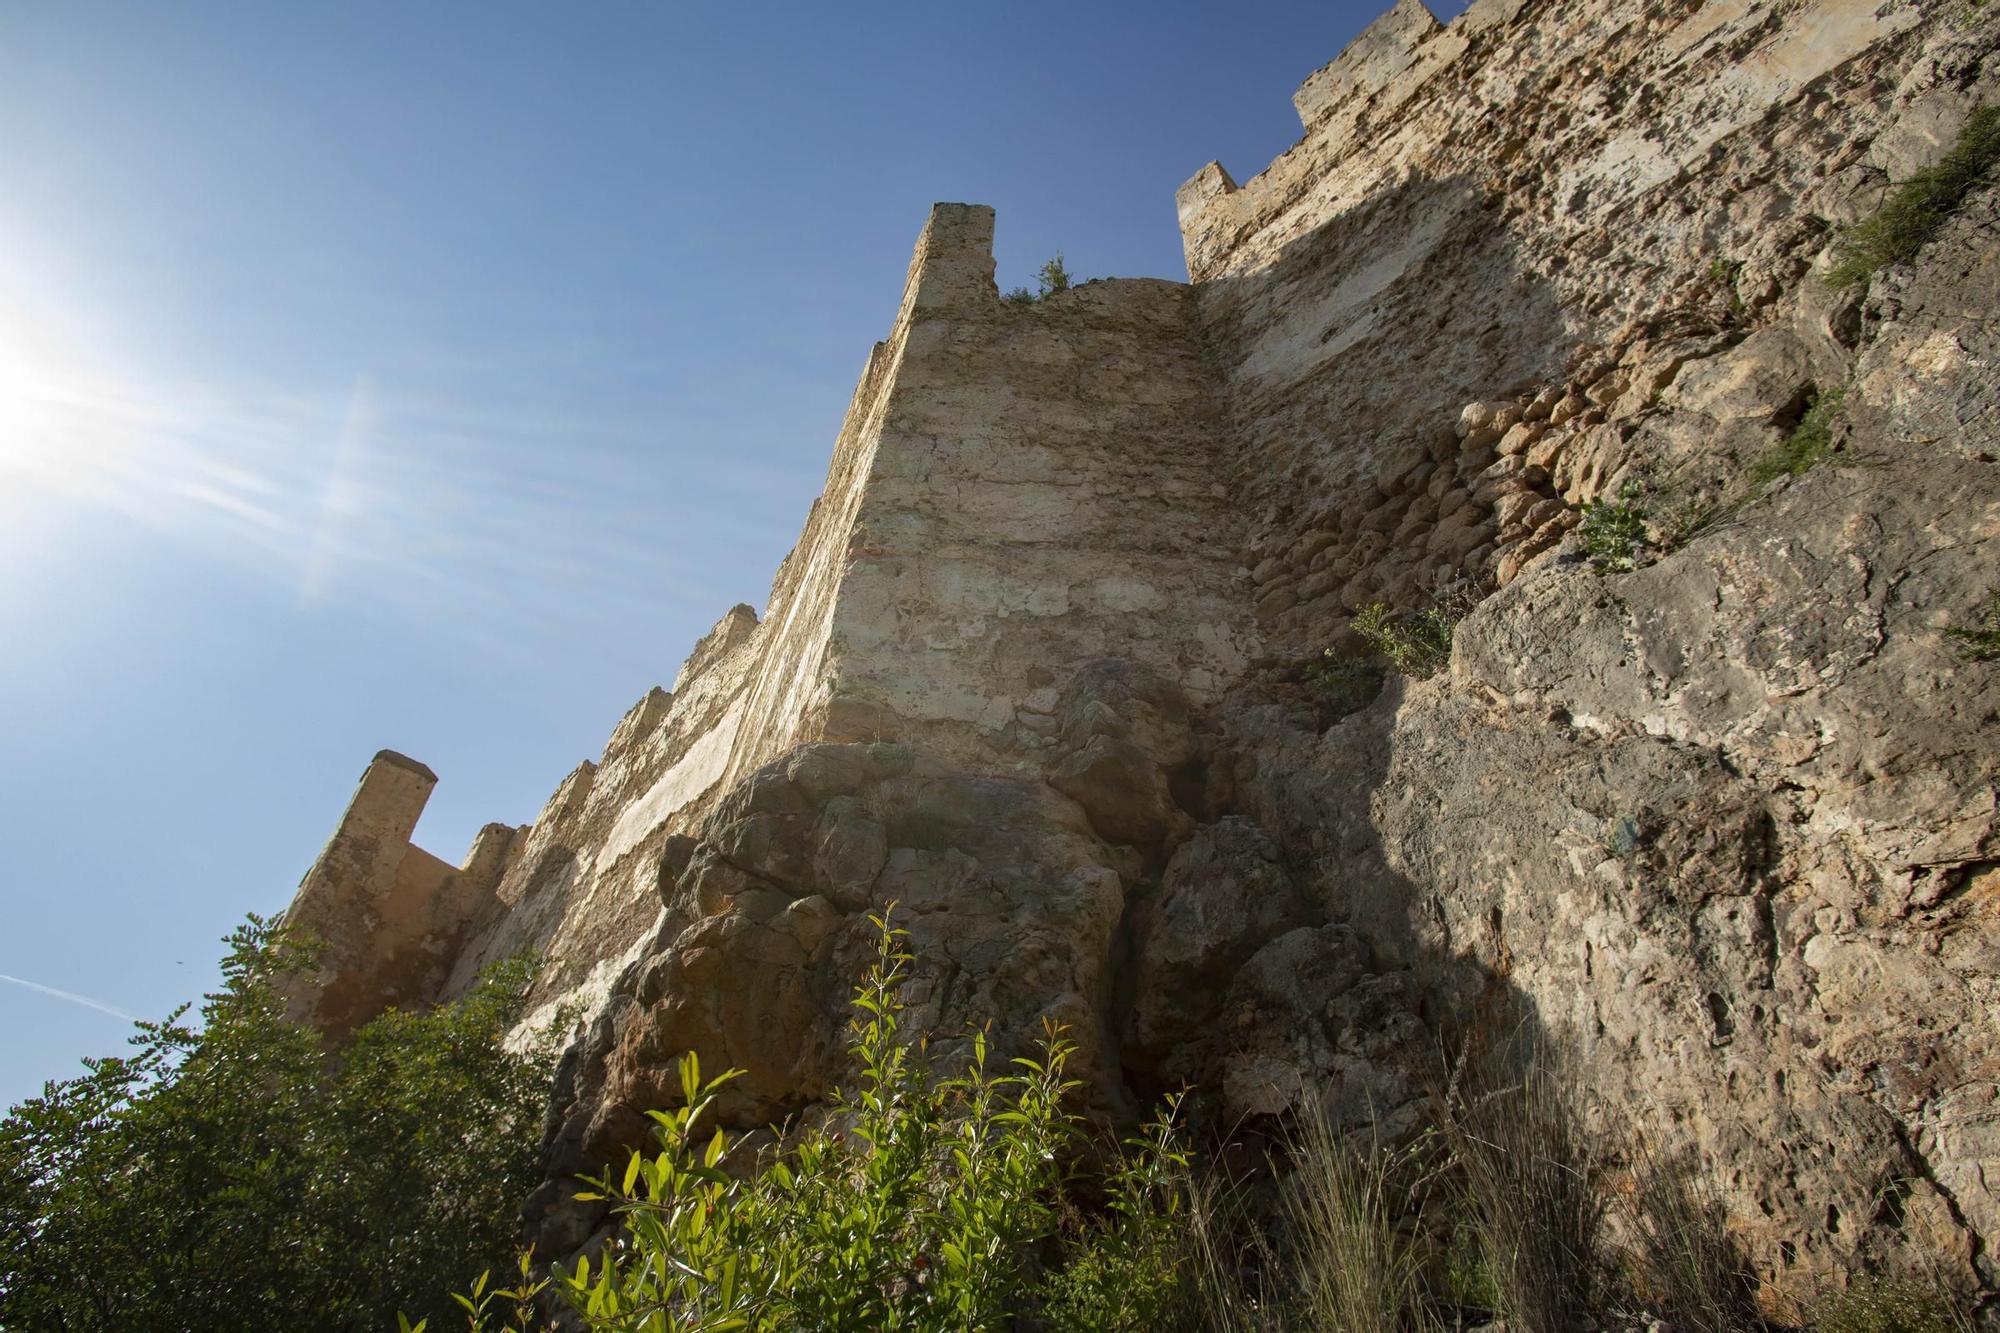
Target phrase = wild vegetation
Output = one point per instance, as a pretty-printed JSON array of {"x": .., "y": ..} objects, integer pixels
[
  {"x": 1808, "y": 444},
  {"x": 921, "y": 1202},
  {"x": 1980, "y": 642},
  {"x": 930, "y": 1203},
  {"x": 1917, "y": 208},
  {"x": 1347, "y": 683},
  {"x": 1416, "y": 644},
  {"x": 1614, "y": 531},
  {"x": 1052, "y": 277},
  {"x": 233, "y": 1178},
  {"x": 230, "y": 1176}
]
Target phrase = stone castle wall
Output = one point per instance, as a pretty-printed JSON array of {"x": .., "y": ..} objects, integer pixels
[
  {"x": 1544, "y": 210},
  {"x": 1722, "y": 827},
  {"x": 390, "y": 916},
  {"x": 1721, "y": 823},
  {"x": 1015, "y": 491}
]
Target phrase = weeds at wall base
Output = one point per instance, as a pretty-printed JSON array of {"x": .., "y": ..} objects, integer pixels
[{"x": 1891, "y": 1304}]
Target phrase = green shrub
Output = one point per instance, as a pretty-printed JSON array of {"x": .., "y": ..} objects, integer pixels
[
  {"x": 916, "y": 1213},
  {"x": 228, "y": 1177},
  {"x": 1981, "y": 642},
  {"x": 1127, "y": 1273},
  {"x": 1614, "y": 531},
  {"x": 1808, "y": 445},
  {"x": 920, "y": 1203},
  {"x": 1349, "y": 683},
  {"x": 1415, "y": 646},
  {"x": 1050, "y": 278},
  {"x": 1915, "y": 210}
]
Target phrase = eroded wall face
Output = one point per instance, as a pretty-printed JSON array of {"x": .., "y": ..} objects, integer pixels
[
  {"x": 1546, "y": 205},
  {"x": 1047, "y": 492},
  {"x": 1718, "y": 825},
  {"x": 1036, "y": 673}
]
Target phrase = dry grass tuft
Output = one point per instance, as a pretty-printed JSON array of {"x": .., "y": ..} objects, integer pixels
[{"x": 1532, "y": 1189}]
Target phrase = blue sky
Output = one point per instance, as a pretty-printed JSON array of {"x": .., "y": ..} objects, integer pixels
[{"x": 432, "y": 376}]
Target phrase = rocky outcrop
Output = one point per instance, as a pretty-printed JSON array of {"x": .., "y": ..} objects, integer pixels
[
  {"x": 1010, "y": 900},
  {"x": 1717, "y": 818}
]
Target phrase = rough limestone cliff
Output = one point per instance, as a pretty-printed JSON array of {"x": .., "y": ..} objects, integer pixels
[{"x": 1722, "y": 826}]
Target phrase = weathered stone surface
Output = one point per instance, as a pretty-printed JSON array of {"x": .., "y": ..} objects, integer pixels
[
  {"x": 1312, "y": 1015},
  {"x": 1223, "y": 896},
  {"x": 1011, "y": 902},
  {"x": 1723, "y": 826},
  {"x": 390, "y": 917},
  {"x": 1124, "y": 734}
]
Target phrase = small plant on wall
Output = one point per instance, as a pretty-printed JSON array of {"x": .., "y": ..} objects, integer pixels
[
  {"x": 1050, "y": 278},
  {"x": 1614, "y": 531}
]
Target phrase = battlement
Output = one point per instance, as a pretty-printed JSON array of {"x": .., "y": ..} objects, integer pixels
[
  {"x": 387, "y": 914},
  {"x": 1386, "y": 48},
  {"x": 952, "y": 268}
]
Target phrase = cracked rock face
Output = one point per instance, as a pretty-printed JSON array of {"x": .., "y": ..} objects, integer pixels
[
  {"x": 1724, "y": 825},
  {"x": 1727, "y": 823},
  {"x": 1785, "y": 908},
  {"x": 1009, "y": 897}
]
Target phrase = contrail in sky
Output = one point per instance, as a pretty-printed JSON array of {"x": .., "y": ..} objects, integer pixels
[{"x": 71, "y": 996}]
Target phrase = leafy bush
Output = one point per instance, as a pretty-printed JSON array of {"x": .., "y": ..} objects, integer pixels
[
  {"x": 1915, "y": 211},
  {"x": 921, "y": 1203},
  {"x": 228, "y": 1177},
  {"x": 1050, "y": 278},
  {"x": 1809, "y": 443},
  {"x": 1614, "y": 531},
  {"x": 1126, "y": 1274},
  {"x": 1980, "y": 643},
  {"x": 1413, "y": 645},
  {"x": 1349, "y": 683}
]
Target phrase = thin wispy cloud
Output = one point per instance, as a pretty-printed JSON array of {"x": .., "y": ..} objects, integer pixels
[
  {"x": 477, "y": 521},
  {"x": 71, "y": 996}
]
